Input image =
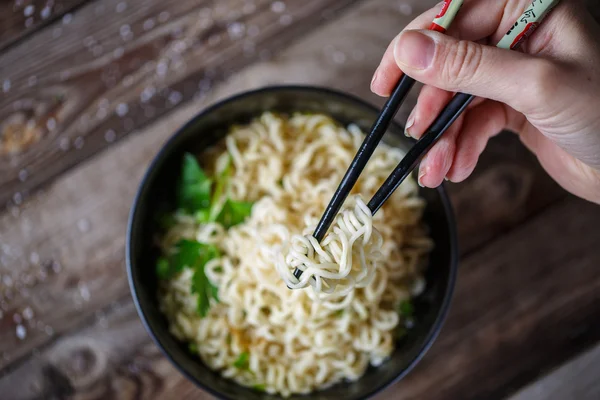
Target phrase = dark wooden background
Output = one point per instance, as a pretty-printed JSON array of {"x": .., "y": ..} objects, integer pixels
[{"x": 89, "y": 92}]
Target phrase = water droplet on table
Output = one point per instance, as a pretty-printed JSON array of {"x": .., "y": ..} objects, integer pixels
[
  {"x": 84, "y": 225},
  {"x": 6, "y": 85},
  {"x": 56, "y": 267},
  {"x": 338, "y": 57},
  {"x": 163, "y": 17},
  {"x": 34, "y": 258},
  {"x": 64, "y": 143},
  {"x": 23, "y": 174},
  {"x": 147, "y": 94},
  {"x": 46, "y": 11},
  {"x": 148, "y": 24},
  {"x": 118, "y": 52},
  {"x": 175, "y": 97},
  {"x": 28, "y": 313},
  {"x": 405, "y": 9},
  {"x": 79, "y": 142},
  {"x": 21, "y": 332},
  {"x": 236, "y": 30},
  {"x": 29, "y": 10},
  {"x": 122, "y": 6},
  {"x": 125, "y": 30},
  {"x": 51, "y": 124},
  {"x": 110, "y": 136},
  {"x": 161, "y": 68},
  {"x": 122, "y": 109},
  {"x": 278, "y": 7},
  {"x": 84, "y": 291},
  {"x": 17, "y": 198},
  {"x": 7, "y": 280},
  {"x": 67, "y": 18}
]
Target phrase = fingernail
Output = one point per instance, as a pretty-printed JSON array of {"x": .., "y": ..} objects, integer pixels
[
  {"x": 414, "y": 49},
  {"x": 374, "y": 78},
  {"x": 409, "y": 123},
  {"x": 422, "y": 172}
]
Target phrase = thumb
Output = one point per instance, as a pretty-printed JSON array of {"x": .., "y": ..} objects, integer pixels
[{"x": 510, "y": 77}]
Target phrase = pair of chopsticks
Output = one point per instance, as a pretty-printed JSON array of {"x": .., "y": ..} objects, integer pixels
[{"x": 521, "y": 30}]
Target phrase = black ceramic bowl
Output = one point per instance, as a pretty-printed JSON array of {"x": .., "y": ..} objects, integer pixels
[{"x": 157, "y": 193}]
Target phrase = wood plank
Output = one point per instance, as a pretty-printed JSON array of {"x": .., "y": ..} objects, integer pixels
[
  {"x": 525, "y": 320},
  {"x": 577, "y": 380},
  {"x": 20, "y": 18},
  {"x": 86, "y": 238},
  {"x": 523, "y": 305},
  {"x": 72, "y": 89}
]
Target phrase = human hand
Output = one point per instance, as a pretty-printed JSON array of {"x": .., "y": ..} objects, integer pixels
[{"x": 549, "y": 92}]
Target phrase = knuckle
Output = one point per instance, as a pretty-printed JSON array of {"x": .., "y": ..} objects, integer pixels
[
  {"x": 463, "y": 61},
  {"x": 546, "y": 75}
]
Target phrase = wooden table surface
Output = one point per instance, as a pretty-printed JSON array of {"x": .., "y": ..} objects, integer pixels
[{"x": 91, "y": 90}]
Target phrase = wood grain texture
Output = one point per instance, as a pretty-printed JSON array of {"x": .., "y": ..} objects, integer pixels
[
  {"x": 524, "y": 320},
  {"x": 578, "y": 379},
  {"x": 20, "y": 18},
  {"x": 85, "y": 240},
  {"x": 84, "y": 84},
  {"x": 524, "y": 304},
  {"x": 63, "y": 252}
]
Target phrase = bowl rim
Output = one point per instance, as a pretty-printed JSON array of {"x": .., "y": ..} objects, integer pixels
[{"x": 445, "y": 201}]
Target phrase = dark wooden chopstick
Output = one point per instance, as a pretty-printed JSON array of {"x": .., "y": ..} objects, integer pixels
[
  {"x": 521, "y": 30},
  {"x": 364, "y": 153},
  {"x": 361, "y": 158},
  {"x": 441, "y": 22},
  {"x": 446, "y": 118}
]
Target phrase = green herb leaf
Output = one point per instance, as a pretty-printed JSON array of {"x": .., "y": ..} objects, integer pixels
[
  {"x": 203, "y": 216},
  {"x": 193, "y": 348},
  {"x": 407, "y": 309},
  {"x": 194, "y": 187},
  {"x": 242, "y": 361},
  {"x": 219, "y": 195},
  {"x": 260, "y": 387},
  {"x": 195, "y": 255},
  {"x": 185, "y": 255},
  {"x": 200, "y": 283},
  {"x": 162, "y": 268},
  {"x": 234, "y": 212}
]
